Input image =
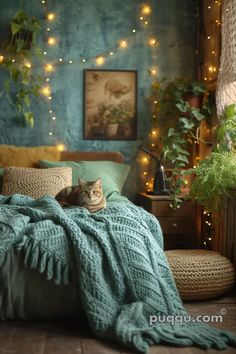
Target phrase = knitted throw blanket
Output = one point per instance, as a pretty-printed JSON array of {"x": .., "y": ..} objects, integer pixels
[{"x": 122, "y": 271}]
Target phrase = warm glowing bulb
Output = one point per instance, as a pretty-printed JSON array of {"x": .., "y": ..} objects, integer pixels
[
  {"x": 50, "y": 111},
  {"x": 100, "y": 60},
  {"x": 141, "y": 18},
  {"x": 153, "y": 71},
  {"x": 28, "y": 65},
  {"x": 123, "y": 43},
  {"x": 51, "y": 41},
  {"x": 13, "y": 60},
  {"x": 111, "y": 53},
  {"x": 49, "y": 97},
  {"x": 61, "y": 147},
  {"x": 83, "y": 60},
  {"x": 49, "y": 68},
  {"x": 213, "y": 52},
  {"x": 209, "y": 7},
  {"x": 145, "y": 159},
  {"x": 46, "y": 90},
  {"x": 51, "y": 17},
  {"x": 205, "y": 78},
  {"x": 50, "y": 133},
  {"x": 145, "y": 173},
  {"x": 147, "y": 183},
  {"x": 54, "y": 118},
  {"x": 43, "y": 1},
  {"x": 60, "y": 59},
  {"x": 146, "y": 10},
  {"x": 154, "y": 132},
  {"x": 48, "y": 29},
  {"x": 152, "y": 42},
  {"x": 70, "y": 62},
  {"x": 146, "y": 22},
  {"x": 208, "y": 37},
  {"x": 1, "y": 58},
  {"x": 133, "y": 30}
]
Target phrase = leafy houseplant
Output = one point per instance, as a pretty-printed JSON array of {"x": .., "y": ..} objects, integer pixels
[
  {"x": 20, "y": 48},
  {"x": 216, "y": 174},
  {"x": 178, "y": 110}
]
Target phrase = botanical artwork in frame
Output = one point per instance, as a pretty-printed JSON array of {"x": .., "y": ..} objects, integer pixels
[{"x": 110, "y": 105}]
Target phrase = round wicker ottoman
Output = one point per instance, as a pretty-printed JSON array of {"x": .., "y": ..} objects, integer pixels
[{"x": 200, "y": 274}]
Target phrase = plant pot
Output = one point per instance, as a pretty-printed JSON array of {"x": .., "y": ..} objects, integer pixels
[
  {"x": 195, "y": 101},
  {"x": 112, "y": 129}
]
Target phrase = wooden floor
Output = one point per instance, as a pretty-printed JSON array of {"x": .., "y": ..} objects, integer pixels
[{"x": 66, "y": 337}]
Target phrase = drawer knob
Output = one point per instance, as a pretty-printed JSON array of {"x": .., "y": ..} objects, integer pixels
[{"x": 175, "y": 225}]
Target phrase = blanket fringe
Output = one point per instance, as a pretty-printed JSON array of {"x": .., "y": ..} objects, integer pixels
[
  {"x": 198, "y": 335},
  {"x": 37, "y": 258}
]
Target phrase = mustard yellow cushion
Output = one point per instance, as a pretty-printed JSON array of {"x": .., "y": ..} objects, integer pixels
[
  {"x": 35, "y": 182},
  {"x": 22, "y": 156}
]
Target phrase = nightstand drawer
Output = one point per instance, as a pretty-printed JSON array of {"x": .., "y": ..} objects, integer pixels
[
  {"x": 186, "y": 209},
  {"x": 172, "y": 225}
]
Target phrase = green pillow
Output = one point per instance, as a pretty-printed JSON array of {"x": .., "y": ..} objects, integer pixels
[
  {"x": 113, "y": 174},
  {"x": 1, "y": 178}
]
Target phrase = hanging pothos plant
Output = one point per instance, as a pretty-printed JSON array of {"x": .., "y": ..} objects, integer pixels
[
  {"x": 179, "y": 107},
  {"x": 19, "y": 50}
]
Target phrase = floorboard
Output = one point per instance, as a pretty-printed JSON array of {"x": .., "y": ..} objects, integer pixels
[{"x": 69, "y": 337}]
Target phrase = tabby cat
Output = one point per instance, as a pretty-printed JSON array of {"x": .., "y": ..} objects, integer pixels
[{"x": 86, "y": 194}]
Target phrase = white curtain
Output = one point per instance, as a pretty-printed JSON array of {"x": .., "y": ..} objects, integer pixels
[{"x": 226, "y": 84}]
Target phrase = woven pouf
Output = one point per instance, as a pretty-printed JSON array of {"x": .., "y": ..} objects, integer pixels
[{"x": 200, "y": 274}]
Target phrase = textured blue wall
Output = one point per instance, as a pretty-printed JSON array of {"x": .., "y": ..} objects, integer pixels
[{"x": 85, "y": 29}]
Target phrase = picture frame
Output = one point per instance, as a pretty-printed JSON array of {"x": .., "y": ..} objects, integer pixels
[{"x": 110, "y": 104}]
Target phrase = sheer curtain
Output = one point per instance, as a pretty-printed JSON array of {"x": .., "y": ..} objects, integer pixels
[{"x": 226, "y": 84}]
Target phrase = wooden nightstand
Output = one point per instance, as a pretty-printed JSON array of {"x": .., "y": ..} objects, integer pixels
[{"x": 180, "y": 227}]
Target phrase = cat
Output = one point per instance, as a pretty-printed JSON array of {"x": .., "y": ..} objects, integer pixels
[{"x": 86, "y": 194}]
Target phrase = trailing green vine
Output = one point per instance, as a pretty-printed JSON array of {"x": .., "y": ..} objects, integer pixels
[{"x": 19, "y": 50}]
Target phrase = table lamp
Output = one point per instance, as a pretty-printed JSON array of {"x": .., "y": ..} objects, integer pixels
[{"x": 159, "y": 187}]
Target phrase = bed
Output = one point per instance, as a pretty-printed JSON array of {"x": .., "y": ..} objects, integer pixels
[
  {"x": 24, "y": 292},
  {"x": 110, "y": 264}
]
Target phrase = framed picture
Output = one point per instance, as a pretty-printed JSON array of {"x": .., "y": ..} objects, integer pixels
[{"x": 110, "y": 104}]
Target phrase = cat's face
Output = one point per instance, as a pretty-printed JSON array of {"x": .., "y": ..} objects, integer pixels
[{"x": 90, "y": 191}]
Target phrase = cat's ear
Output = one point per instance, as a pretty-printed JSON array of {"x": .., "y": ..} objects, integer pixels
[
  {"x": 81, "y": 182},
  {"x": 98, "y": 181}
]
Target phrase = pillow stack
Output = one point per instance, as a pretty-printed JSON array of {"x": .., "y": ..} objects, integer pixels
[{"x": 113, "y": 174}]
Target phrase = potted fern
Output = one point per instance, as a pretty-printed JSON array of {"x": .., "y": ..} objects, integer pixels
[{"x": 215, "y": 176}]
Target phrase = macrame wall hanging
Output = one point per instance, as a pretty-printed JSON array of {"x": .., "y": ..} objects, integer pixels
[{"x": 226, "y": 84}]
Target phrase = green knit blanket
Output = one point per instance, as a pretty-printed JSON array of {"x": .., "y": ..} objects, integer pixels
[{"x": 122, "y": 272}]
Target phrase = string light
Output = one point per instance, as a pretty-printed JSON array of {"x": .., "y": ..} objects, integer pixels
[
  {"x": 61, "y": 147},
  {"x": 49, "y": 68},
  {"x": 146, "y": 10},
  {"x": 152, "y": 42},
  {"x": 123, "y": 43},
  {"x": 70, "y": 62},
  {"x": 100, "y": 60},
  {"x": 51, "y": 16},
  {"x": 28, "y": 65},
  {"x": 46, "y": 90},
  {"x": 60, "y": 59},
  {"x": 1, "y": 58},
  {"x": 51, "y": 41}
]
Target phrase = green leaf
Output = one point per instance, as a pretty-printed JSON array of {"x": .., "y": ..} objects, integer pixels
[
  {"x": 182, "y": 158},
  {"x": 230, "y": 110},
  {"x": 182, "y": 107},
  {"x": 197, "y": 114},
  {"x": 27, "y": 100},
  {"x": 15, "y": 27},
  {"x": 187, "y": 123},
  {"x": 171, "y": 132},
  {"x": 29, "y": 118},
  {"x": 20, "y": 43},
  {"x": 7, "y": 86}
]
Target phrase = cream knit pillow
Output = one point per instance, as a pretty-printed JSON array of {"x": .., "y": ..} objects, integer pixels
[{"x": 35, "y": 182}]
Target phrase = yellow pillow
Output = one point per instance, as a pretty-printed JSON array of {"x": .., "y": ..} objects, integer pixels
[
  {"x": 22, "y": 156},
  {"x": 36, "y": 182}
]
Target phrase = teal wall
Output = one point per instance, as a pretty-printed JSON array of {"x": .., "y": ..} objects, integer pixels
[{"x": 85, "y": 28}]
